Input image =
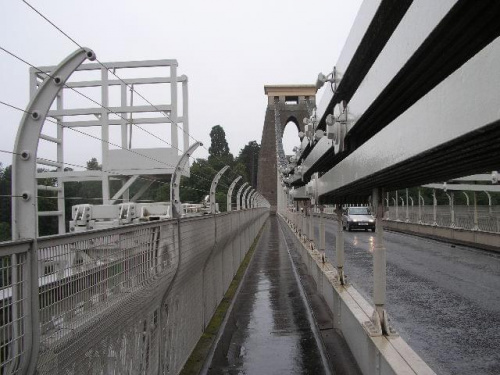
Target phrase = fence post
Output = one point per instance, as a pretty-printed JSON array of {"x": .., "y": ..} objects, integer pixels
[
  {"x": 339, "y": 245},
  {"x": 238, "y": 196},
  {"x": 379, "y": 325},
  {"x": 407, "y": 212},
  {"x": 434, "y": 207},
  {"x": 322, "y": 240},
  {"x": 476, "y": 221},
  {"x": 230, "y": 194}
]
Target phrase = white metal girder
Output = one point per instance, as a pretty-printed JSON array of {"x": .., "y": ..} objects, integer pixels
[
  {"x": 465, "y": 187},
  {"x": 459, "y": 109}
]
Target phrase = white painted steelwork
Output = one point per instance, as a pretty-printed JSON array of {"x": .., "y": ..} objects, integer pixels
[
  {"x": 23, "y": 352},
  {"x": 213, "y": 189},
  {"x": 238, "y": 196},
  {"x": 230, "y": 193},
  {"x": 120, "y": 158}
]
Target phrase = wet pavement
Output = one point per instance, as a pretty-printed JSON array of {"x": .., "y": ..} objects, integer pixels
[
  {"x": 444, "y": 300},
  {"x": 270, "y": 330}
]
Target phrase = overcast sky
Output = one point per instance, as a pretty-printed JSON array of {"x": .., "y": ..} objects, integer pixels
[{"x": 228, "y": 49}]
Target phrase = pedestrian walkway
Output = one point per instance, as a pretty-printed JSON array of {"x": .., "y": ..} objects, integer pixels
[{"x": 270, "y": 329}]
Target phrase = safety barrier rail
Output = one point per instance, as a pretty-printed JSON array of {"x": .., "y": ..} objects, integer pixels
[{"x": 114, "y": 300}]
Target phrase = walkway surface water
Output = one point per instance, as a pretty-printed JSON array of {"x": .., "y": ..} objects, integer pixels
[{"x": 270, "y": 329}]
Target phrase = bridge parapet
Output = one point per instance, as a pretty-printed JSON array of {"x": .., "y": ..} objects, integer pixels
[{"x": 120, "y": 298}]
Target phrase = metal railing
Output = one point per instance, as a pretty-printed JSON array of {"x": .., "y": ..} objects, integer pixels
[
  {"x": 484, "y": 218},
  {"x": 105, "y": 296}
]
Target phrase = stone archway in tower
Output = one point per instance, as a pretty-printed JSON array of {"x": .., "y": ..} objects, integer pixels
[
  {"x": 290, "y": 135},
  {"x": 285, "y": 103}
]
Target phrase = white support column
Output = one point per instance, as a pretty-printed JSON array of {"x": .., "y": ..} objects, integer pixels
[
  {"x": 339, "y": 245},
  {"x": 407, "y": 219},
  {"x": 311, "y": 226},
  {"x": 452, "y": 211},
  {"x": 185, "y": 113},
  {"x": 123, "y": 91},
  {"x": 397, "y": 206},
  {"x": 476, "y": 221},
  {"x": 434, "y": 207},
  {"x": 322, "y": 238},
  {"x": 174, "y": 136},
  {"x": 379, "y": 324},
  {"x": 60, "y": 159},
  {"x": 105, "y": 134},
  {"x": 421, "y": 203},
  {"x": 490, "y": 208}
]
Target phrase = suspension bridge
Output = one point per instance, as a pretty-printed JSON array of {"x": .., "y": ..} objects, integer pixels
[{"x": 277, "y": 282}]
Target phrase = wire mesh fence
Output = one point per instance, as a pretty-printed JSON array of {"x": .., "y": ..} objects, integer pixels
[
  {"x": 15, "y": 304},
  {"x": 133, "y": 299},
  {"x": 484, "y": 218}
]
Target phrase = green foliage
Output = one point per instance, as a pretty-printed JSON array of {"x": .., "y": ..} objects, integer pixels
[
  {"x": 4, "y": 231},
  {"x": 249, "y": 158},
  {"x": 193, "y": 189},
  {"x": 219, "y": 154}
]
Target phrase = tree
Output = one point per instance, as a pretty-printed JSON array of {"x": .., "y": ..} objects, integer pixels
[
  {"x": 249, "y": 157},
  {"x": 219, "y": 154},
  {"x": 93, "y": 165}
]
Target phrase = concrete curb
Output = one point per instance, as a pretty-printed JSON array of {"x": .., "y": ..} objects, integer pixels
[{"x": 374, "y": 354}]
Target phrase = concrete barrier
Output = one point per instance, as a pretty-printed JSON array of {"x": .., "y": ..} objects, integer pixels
[{"x": 374, "y": 355}]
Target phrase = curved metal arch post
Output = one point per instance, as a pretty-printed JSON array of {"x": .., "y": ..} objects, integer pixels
[
  {"x": 238, "y": 196},
  {"x": 249, "y": 197},
  {"x": 213, "y": 189},
  {"x": 230, "y": 193},
  {"x": 254, "y": 200},
  {"x": 175, "y": 182},
  {"x": 24, "y": 185},
  {"x": 244, "y": 197},
  {"x": 24, "y": 220}
]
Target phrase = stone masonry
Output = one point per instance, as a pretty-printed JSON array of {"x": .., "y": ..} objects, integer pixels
[{"x": 292, "y": 105}]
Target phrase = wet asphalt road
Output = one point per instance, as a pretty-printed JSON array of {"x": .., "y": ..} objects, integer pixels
[
  {"x": 443, "y": 300},
  {"x": 268, "y": 330}
]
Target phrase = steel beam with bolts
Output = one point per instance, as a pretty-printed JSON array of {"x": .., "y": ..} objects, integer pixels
[{"x": 24, "y": 205}]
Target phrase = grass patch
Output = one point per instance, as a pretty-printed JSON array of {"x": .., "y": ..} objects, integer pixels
[{"x": 197, "y": 358}]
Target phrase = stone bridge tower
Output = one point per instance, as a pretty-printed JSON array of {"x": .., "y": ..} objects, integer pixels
[{"x": 285, "y": 103}]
